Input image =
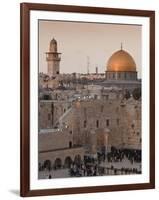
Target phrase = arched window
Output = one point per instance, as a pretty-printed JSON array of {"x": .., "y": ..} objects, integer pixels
[
  {"x": 47, "y": 164},
  {"x": 68, "y": 162},
  {"x": 58, "y": 163}
]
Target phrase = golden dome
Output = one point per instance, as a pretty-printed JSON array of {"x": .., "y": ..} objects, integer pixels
[{"x": 121, "y": 61}]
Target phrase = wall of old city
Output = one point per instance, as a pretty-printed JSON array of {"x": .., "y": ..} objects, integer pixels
[{"x": 121, "y": 118}]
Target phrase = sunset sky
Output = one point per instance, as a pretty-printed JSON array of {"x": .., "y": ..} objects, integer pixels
[{"x": 78, "y": 41}]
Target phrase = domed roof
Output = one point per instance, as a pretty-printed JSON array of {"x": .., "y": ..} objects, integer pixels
[{"x": 121, "y": 61}]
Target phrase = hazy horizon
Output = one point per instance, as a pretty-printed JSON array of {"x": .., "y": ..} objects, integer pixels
[{"x": 77, "y": 41}]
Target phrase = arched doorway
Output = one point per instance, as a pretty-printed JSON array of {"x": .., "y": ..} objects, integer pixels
[
  {"x": 68, "y": 162},
  {"x": 77, "y": 160},
  {"x": 58, "y": 163},
  {"x": 47, "y": 164}
]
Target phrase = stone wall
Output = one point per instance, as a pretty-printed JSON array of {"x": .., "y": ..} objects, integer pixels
[
  {"x": 50, "y": 111},
  {"x": 86, "y": 126},
  {"x": 54, "y": 140},
  {"x": 62, "y": 154},
  {"x": 121, "y": 118}
]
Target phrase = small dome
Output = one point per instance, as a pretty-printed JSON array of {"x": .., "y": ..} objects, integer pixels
[{"x": 121, "y": 61}]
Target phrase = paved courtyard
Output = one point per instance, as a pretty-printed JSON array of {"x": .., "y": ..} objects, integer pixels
[{"x": 104, "y": 169}]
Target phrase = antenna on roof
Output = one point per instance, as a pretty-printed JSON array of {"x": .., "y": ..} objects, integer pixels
[
  {"x": 121, "y": 46},
  {"x": 96, "y": 69}
]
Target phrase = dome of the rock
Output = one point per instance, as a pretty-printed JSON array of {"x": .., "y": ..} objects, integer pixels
[{"x": 121, "y": 61}]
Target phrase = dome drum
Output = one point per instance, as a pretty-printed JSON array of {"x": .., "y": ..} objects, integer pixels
[{"x": 111, "y": 75}]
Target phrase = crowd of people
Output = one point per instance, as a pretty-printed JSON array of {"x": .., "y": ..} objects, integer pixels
[
  {"x": 117, "y": 155},
  {"x": 91, "y": 166},
  {"x": 83, "y": 170},
  {"x": 104, "y": 163}
]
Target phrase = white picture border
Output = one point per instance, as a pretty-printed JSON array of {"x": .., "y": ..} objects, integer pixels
[{"x": 35, "y": 183}]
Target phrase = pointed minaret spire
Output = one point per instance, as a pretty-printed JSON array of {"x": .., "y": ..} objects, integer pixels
[
  {"x": 121, "y": 46},
  {"x": 88, "y": 64}
]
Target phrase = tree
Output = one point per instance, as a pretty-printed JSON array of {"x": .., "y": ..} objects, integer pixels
[
  {"x": 127, "y": 94},
  {"x": 136, "y": 93}
]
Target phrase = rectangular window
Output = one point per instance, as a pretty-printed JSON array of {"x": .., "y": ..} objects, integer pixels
[
  {"x": 107, "y": 122},
  {"x": 85, "y": 124},
  {"x": 70, "y": 144},
  {"x": 97, "y": 123},
  {"x": 117, "y": 121}
]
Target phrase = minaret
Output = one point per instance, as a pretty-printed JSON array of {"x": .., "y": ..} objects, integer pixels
[{"x": 53, "y": 59}]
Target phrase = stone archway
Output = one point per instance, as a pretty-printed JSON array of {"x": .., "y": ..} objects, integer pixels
[
  {"x": 57, "y": 163},
  {"x": 47, "y": 164},
  {"x": 78, "y": 160},
  {"x": 67, "y": 162}
]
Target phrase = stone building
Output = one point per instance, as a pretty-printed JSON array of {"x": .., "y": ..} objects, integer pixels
[{"x": 77, "y": 119}]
